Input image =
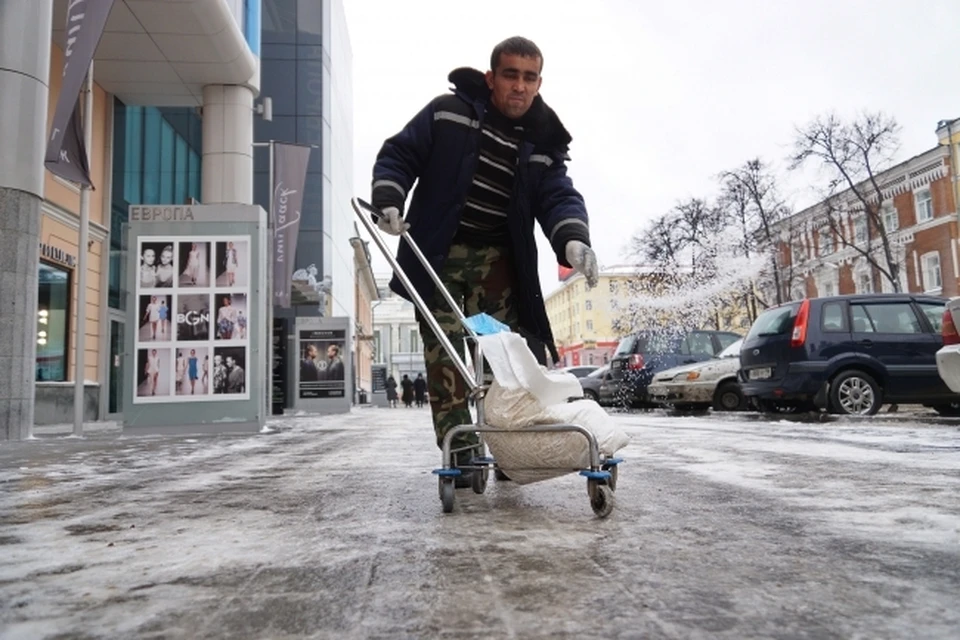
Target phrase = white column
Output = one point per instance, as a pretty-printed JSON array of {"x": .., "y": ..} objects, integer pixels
[
  {"x": 227, "y": 145},
  {"x": 25, "y": 29}
]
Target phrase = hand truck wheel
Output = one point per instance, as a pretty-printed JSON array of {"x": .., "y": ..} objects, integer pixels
[
  {"x": 478, "y": 481},
  {"x": 447, "y": 494},
  {"x": 602, "y": 500},
  {"x": 612, "y": 481}
]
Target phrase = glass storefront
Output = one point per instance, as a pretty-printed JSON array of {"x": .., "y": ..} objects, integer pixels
[
  {"x": 53, "y": 321},
  {"x": 157, "y": 157},
  {"x": 156, "y": 160},
  {"x": 115, "y": 400}
]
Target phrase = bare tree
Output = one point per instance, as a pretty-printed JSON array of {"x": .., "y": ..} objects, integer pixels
[
  {"x": 854, "y": 155},
  {"x": 751, "y": 195}
]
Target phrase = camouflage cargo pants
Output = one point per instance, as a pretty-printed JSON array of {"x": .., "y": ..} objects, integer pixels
[{"x": 481, "y": 280}]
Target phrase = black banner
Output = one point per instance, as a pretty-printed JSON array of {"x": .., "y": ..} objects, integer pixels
[
  {"x": 279, "y": 398},
  {"x": 66, "y": 152}
]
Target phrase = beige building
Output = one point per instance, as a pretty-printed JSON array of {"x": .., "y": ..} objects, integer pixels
[
  {"x": 583, "y": 320},
  {"x": 58, "y": 276},
  {"x": 365, "y": 295}
]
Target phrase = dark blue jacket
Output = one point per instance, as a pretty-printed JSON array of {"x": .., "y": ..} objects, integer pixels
[{"x": 439, "y": 149}]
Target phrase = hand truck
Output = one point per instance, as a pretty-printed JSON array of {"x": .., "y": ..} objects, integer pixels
[{"x": 601, "y": 475}]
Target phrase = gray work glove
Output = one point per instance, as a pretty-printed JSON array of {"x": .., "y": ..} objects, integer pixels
[
  {"x": 583, "y": 259},
  {"x": 392, "y": 222}
]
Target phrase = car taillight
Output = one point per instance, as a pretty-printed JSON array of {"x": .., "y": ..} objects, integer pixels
[
  {"x": 949, "y": 330},
  {"x": 635, "y": 362},
  {"x": 799, "y": 336}
]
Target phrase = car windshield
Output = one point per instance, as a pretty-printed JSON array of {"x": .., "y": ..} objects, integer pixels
[
  {"x": 625, "y": 346},
  {"x": 733, "y": 351},
  {"x": 774, "y": 322},
  {"x": 599, "y": 372},
  {"x": 650, "y": 342}
]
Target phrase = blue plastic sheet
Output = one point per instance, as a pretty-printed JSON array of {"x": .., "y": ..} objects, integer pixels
[{"x": 484, "y": 325}]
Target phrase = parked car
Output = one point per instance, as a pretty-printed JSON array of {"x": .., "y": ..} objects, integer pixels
[
  {"x": 948, "y": 357},
  {"x": 642, "y": 355},
  {"x": 579, "y": 370},
  {"x": 592, "y": 381},
  {"x": 847, "y": 354},
  {"x": 711, "y": 383}
]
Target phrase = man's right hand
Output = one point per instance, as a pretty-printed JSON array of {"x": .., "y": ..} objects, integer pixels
[{"x": 392, "y": 222}]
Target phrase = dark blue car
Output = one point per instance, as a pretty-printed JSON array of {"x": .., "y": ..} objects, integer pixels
[
  {"x": 847, "y": 354},
  {"x": 643, "y": 354}
]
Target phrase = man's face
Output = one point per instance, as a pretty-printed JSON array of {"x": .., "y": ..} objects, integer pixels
[
  {"x": 331, "y": 352},
  {"x": 230, "y": 362},
  {"x": 514, "y": 83},
  {"x": 311, "y": 352}
]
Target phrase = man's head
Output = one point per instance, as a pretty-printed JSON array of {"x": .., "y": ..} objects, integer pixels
[
  {"x": 514, "y": 76},
  {"x": 333, "y": 351},
  {"x": 311, "y": 352}
]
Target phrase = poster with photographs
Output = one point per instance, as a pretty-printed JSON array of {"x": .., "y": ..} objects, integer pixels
[
  {"x": 232, "y": 258},
  {"x": 153, "y": 373},
  {"x": 230, "y": 371},
  {"x": 194, "y": 264},
  {"x": 156, "y": 269},
  {"x": 193, "y": 317},
  {"x": 321, "y": 353},
  {"x": 231, "y": 316},
  {"x": 155, "y": 316},
  {"x": 193, "y": 371},
  {"x": 192, "y": 306}
]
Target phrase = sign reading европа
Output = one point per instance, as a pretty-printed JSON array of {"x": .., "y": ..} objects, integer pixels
[{"x": 160, "y": 214}]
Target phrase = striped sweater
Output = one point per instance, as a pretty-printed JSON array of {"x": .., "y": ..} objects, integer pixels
[{"x": 483, "y": 220}]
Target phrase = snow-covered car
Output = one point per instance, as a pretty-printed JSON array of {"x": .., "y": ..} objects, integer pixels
[
  {"x": 712, "y": 383},
  {"x": 948, "y": 356}
]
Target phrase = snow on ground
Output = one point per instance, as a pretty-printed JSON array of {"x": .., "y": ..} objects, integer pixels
[{"x": 726, "y": 526}]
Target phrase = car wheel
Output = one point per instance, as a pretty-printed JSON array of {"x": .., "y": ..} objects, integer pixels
[
  {"x": 591, "y": 395},
  {"x": 854, "y": 392},
  {"x": 728, "y": 397}
]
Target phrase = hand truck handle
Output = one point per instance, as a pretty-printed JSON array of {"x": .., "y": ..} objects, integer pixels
[{"x": 368, "y": 214}]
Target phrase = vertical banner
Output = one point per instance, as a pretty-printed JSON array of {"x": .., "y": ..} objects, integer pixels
[
  {"x": 66, "y": 153},
  {"x": 289, "y": 178}
]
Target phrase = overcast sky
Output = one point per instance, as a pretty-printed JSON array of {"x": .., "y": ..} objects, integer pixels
[{"x": 661, "y": 96}]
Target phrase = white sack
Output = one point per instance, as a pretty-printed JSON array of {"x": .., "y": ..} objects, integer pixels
[{"x": 524, "y": 394}]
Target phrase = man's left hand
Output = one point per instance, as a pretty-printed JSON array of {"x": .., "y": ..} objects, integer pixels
[{"x": 583, "y": 259}]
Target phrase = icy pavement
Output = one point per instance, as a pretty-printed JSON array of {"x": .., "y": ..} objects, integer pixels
[{"x": 332, "y": 527}]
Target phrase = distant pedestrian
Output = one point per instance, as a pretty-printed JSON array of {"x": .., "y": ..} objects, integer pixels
[
  {"x": 407, "y": 386},
  {"x": 420, "y": 390},
  {"x": 392, "y": 392}
]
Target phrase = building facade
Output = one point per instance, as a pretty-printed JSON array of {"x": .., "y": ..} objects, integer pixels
[
  {"x": 306, "y": 64},
  {"x": 154, "y": 69},
  {"x": 583, "y": 319},
  {"x": 396, "y": 334},
  {"x": 366, "y": 295},
  {"x": 834, "y": 247}
]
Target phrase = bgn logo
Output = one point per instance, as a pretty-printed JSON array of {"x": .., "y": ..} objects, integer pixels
[{"x": 193, "y": 318}]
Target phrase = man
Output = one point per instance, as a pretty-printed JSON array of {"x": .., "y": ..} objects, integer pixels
[
  {"x": 236, "y": 381},
  {"x": 420, "y": 390},
  {"x": 334, "y": 363},
  {"x": 489, "y": 160},
  {"x": 309, "y": 371}
]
